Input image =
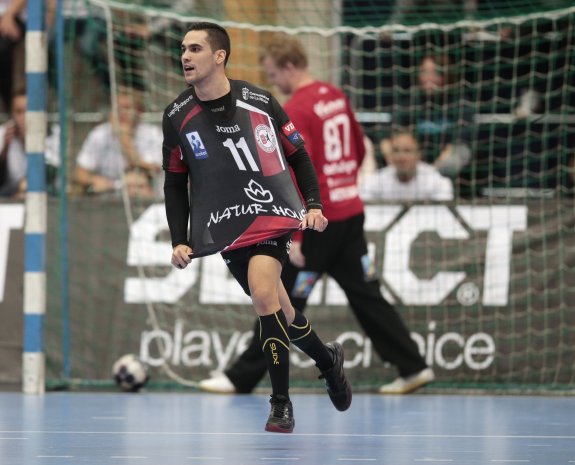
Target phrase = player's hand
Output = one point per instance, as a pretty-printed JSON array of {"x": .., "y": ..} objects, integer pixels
[
  {"x": 100, "y": 184},
  {"x": 9, "y": 28},
  {"x": 181, "y": 256},
  {"x": 315, "y": 220},
  {"x": 9, "y": 134},
  {"x": 296, "y": 257}
]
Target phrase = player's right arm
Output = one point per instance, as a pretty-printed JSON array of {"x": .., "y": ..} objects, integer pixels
[{"x": 176, "y": 195}]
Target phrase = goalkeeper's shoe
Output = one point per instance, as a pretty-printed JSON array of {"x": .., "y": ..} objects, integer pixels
[
  {"x": 219, "y": 383},
  {"x": 281, "y": 415},
  {"x": 409, "y": 383},
  {"x": 337, "y": 385}
]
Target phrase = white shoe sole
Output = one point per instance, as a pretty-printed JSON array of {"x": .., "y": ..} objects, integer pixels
[{"x": 408, "y": 385}]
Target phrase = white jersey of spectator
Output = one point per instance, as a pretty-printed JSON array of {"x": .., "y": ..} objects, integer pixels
[
  {"x": 406, "y": 177},
  {"x": 101, "y": 152},
  {"x": 427, "y": 184}
]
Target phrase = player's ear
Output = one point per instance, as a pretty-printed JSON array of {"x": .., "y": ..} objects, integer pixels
[{"x": 220, "y": 56}]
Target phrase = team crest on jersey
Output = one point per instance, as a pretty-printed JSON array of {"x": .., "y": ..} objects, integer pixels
[
  {"x": 197, "y": 145},
  {"x": 265, "y": 138},
  {"x": 292, "y": 133}
]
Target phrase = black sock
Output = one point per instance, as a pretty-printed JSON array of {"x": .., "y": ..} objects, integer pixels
[
  {"x": 306, "y": 339},
  {"x": 275, "y": 345}
]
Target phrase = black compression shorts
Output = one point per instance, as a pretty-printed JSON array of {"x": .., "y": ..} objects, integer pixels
[{"x": 237, "y": 260}]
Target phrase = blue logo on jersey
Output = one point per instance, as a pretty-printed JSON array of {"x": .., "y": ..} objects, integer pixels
[
  {"x": 197, "y": 145},
  {"x": 294, "y": 137}
]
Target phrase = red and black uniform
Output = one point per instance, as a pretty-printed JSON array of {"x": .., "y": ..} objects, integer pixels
[
  {"x": 236, "y": 158},
  {"x": 334, "y": 141}
]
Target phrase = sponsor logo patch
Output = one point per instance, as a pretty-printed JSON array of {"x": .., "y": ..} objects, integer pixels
[
  {"x": 292, "y": 133},
  {"x": 197, "y": 145}
]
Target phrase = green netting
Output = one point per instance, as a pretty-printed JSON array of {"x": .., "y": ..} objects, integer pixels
[{"x": 511, "y": 73}]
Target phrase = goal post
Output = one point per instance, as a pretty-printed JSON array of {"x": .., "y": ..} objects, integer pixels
[{"x": 33, "y": 362}]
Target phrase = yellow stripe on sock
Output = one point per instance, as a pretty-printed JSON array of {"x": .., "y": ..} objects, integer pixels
[
  {"x": 301, "y": 337},
  {"x": 274, "y": 339}
]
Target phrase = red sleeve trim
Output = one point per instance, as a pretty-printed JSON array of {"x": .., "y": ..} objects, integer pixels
[{"x": 176, "y": 163}]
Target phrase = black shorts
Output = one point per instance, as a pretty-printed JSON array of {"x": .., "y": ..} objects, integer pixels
[{"x": 237, "y": 260}]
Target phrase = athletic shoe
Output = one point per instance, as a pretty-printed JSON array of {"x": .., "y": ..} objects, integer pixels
[
  {"x": 337, "y": 385},
  {"x": 219, "y": 383},
  {"x": 409, "y": 383},
  {"x": 281, "y": 415}
]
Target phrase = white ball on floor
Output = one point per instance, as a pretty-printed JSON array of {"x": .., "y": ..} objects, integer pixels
[{"x": 130, "y": 373}]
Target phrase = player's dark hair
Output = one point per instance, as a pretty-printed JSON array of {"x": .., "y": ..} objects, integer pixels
[{"x": 218, "y": 37}]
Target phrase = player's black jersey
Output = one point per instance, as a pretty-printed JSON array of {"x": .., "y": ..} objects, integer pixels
[{"x": 242, "y": 191}]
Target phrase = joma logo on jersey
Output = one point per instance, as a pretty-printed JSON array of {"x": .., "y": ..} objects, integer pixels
[{"x": 228, "y": 129}]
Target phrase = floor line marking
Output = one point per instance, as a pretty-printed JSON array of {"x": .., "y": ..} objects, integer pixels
[
  {"x": 205, "y": 458},
  {"x": 510, "y": 460},
  {"x": 128, "y": 457},
  {"x": 356, "y": 459},
  {"x": 433, "y": 460},
  {"x": 346, "y": 435},
  {"x": 55, "y": 456},
  {"x": 279, "y": 458}
]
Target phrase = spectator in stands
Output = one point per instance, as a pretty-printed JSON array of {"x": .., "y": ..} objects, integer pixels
[
  {"x": 12, "y": 35},
  {"x": 406, "y": 177},
  {"x": 13, "y": 163},
  {"x": 439, "y": 116},
  {"x": 122, "y": 151},
  {"x": 318, "y": 109},
  {"x": 411, "y": 10},
  {"x": 12, "y": 30}
]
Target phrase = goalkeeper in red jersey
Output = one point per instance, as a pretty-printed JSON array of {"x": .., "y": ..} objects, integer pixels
[
  {"x": 335, "y": 143},
  {"x": 233, "y": 144}
]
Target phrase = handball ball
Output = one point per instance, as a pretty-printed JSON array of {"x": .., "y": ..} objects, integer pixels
[{"x": 130, "y": 373}]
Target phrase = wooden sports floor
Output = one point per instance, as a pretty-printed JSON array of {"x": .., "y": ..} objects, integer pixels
[{"x": 67, "y": 428}]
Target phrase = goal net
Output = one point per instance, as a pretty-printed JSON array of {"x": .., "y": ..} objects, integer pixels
[{"x": 484, "y": 282}]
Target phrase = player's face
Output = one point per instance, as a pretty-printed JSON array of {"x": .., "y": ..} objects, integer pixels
[
  {"x": 404, "y": 155},
  {"x": 198, "y": 59},
  {"x": 279, "y": 77}
]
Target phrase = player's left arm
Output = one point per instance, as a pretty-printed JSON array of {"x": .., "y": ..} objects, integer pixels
[
  {"x": 303, "y": 169},
  {"x": 307, "y": 183}
]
